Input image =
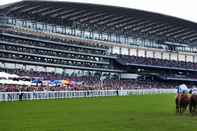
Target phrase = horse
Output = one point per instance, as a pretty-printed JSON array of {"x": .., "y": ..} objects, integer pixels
[
  {"x": 193, "y": 104},
  {"x": 182, "y": 101}
]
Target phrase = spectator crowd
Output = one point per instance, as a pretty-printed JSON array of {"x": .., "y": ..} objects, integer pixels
[
  {"x": 131, "y": 60},
  {"x": 89, "y": 83}
]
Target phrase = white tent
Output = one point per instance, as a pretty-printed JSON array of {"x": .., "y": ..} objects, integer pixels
[
  {"x": 27, "y": 83},
  {"x": 12, "y": 82},
  {"x": 13, "y": 76},
  {"x": 3, "y": 75},
  {"x": 7, "y": 76}
]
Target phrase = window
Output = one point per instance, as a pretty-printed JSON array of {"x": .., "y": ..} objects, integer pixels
[
  {"x": 40, "y": 68},
  {"x": 2, "y": 65},
  {"x": 30, "y": 67},
  {"x": 96, "y": 35},
  {"x": 86, "y": 34},
  {"x": 195, "y": 59},
  {"x": 124, "y": 51},
  {"x": 59, "y": 29},
  {"x": 68, "y": 31},
  {"x": 116, "y": 50},
  {"x": 173, "y": 56},
  {"x": 104, "y": 36},
  {"x": 122, "y": 39},
  {"x": 39, "y": 26},
  {"x": 58, "y": 70},
  {"x": 19, "y": 23},
  {"x": 189, "y": 58},
  {"x": 181, "y": 57},
  {"x": 166, "y": 55},
  {"x": 78, "y": 32},
  {"x": 158, "y": 54},
  {"x": 10, "y": 65},
  {"x": 10, "y": 21},
  {"x": 141, "y": 53},
  {"x": 149, "y": 54},
  {"x": 50, "y": 69},
  {"x": 113, "y": 37},
  {"x": 133, "y": 52},
  {"x": 49, "y": 28}
]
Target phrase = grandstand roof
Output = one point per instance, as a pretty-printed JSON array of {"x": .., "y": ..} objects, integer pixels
[{"x": 106, "y": 18}]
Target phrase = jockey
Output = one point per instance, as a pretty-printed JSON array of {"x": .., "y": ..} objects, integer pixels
[
  {"x": 182, "y": 89},
  {"x": 194, "y": 91}
]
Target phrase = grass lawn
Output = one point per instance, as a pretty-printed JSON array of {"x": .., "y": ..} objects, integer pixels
[{"x": 131, "y": 113}]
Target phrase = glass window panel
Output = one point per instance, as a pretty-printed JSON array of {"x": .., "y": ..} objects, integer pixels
[
  {"x": 19, "y": 66},
  {"x": 39, "y": 26},
  {"x": 173, "y": 56},
  {"x": 122, "y": 39},
  {"x": 59, "y": 70},
  {"x": 59, "y": 29},
  {"x": 117, "y": 38},
  {"x": 50, "y": 69},
  {"x": 10, "y": 21},
  {"x": 166, "y": 56},
  {"x": 40, "y": 68},
  {"x": 29, "y": 24},
  {"x": 104, "y": 36},
  {"x": 2, "y": 65},
  {"x": 30, "y": 67},
  {"x": 10, "y": 65},
  {"x": 63, "y": 30},
  {"x": 96, "y": 35},
  {"x": 141, "y": 53},
  {"x": 50, "y": 28},
  {"x": 130, "y": 40},
  {"x": 158, "y": 54},
  {"x": 19, "y": 23},
  {"x": 133, "y": 52},
  {"x": 181, "y": 57},
  {"x": 68, "y": 31},
  {"x": 116, "y": 50},
  {"x": 189, "y": 58},
  {"x": 195, "y": 59},
  {"x": 86, "y": 34},
  {"x": 149, "y": 54},
  {"x": 113, "y": 37},
  {"x": 125, "y": 51},
  {"x": 139, "y": 41},
  {"x": 78, "y": 32}
]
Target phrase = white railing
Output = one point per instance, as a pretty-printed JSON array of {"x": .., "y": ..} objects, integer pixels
[{"x": 14, "y": 96}]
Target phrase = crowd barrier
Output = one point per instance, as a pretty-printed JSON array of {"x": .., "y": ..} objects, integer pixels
[{"x": 15, "y": 96}]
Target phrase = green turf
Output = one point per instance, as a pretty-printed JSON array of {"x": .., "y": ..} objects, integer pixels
[{"x": 132, "y": 113}]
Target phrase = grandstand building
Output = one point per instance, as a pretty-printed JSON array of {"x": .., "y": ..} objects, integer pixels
[{"x": 42, "y": 38}]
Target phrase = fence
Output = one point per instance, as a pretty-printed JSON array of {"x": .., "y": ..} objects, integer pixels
[{"x": 14, "y": 96}]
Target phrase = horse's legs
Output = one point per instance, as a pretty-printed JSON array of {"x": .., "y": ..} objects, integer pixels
[
  {"x": 177, "y": 106},
  {"x": 184, "y": 107},
  {"x": 181, "y": 107},
  {"x": 194, "y": 109},
  {"x": 190, "y": 108}
]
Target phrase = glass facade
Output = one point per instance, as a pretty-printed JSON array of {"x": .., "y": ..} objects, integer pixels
[{"x": 88, "y": 34}]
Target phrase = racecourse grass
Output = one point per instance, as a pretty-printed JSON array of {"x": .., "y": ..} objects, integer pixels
[{"x": 131, "y": 113}]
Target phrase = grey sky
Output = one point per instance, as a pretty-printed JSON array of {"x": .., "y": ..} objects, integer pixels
[{"x": 185, "y": 9}]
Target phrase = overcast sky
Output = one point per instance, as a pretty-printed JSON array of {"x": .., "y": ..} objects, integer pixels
[{"x": 186, "y": 9}]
